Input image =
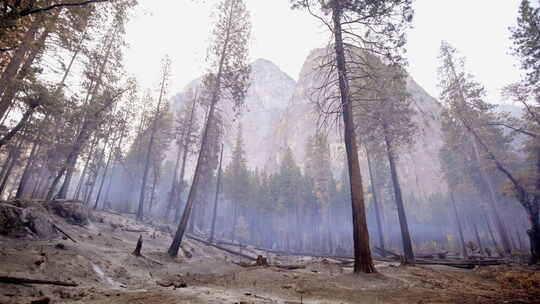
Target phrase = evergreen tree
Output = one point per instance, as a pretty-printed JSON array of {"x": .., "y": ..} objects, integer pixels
[
  {"x": 386, "y": 20},
  {"x": 228, "y": 79}
]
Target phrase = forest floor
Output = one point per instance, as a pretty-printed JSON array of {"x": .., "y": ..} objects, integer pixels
[{"x": 102, "y": 265}]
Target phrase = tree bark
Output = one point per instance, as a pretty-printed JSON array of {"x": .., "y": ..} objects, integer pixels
[
  {"x": 218, "y": 185},
  {"x": 363, "y": 261}
]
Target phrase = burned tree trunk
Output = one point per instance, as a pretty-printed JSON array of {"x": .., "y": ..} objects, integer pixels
[
  {"x": 138, "y": 248},
  {"x": 27, "y": 169},
  {"x": 218, "y": 185}
]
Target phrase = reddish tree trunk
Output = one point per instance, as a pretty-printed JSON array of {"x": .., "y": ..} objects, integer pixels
[{"x": 363, "y": 261}]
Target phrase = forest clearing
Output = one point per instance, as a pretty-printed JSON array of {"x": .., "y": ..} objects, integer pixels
[
  {"x": 249, "y": 151},
  {"x": 102, "y": 266}
]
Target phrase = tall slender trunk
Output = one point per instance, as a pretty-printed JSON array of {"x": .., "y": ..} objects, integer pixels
[
  {"x": 80, "y": 140},
  {"x": 183, "y": 167},
  {"x": 85, "y": 168},
  {"x": 140, "y": 210},
  {"x": 14, "y": 156},
  {"x": 460, "y": 228},
  {"x": 363, "y": 261},
  {"x": 218, "y": 185},
  {"x": 375, "y": 202},
  {"x": 405, "y": 235},
  {"x": 109, "y": 158},
  {"x": 175, "y": 245},
  {"x": 174, "y": 186},
  {"x": 92, "y": 93},
  {"x": 36, "y": 47},
  {"x": 503, "y": 233},
  {"x": 98, "y": 168},
  {"x": 477, "y": 235},
  {"x": 490, "y": 231},
  {"x": 10, "y": 72},
  {"x": 152, "y": 193},
  {"x": 27, "y": 169}
]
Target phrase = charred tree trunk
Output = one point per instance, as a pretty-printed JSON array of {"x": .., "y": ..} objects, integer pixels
[
  {"x": 362, "y": 254},
  {"x": 10, "y": 163},
  {"x": 27, "y": 170},
  {"x": 138, "y": 247},
  {"x": 404, "y": 227},
  {"x": 175, "y": 245},
  {"x": 534, "y": 236},
  {"x": 218, "y": 185}
]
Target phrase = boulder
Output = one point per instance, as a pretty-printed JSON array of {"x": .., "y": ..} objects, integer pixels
[
  {"x": 74, "y": 212},
  {"x": 11, "y": 221}
]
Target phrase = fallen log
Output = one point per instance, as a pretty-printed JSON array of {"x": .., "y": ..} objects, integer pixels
[
  {"x": 64, "y": 233},
  {"x": 290, "y": 267},
  {"x": 466, "y": 264},
  {"x": 135, "y": 230},
  {"x": 221, "y": 248},
  {"x": 15, "y": 280},
  {"x": 384, "y": 253},
  {"x": 440, "y": 255}
]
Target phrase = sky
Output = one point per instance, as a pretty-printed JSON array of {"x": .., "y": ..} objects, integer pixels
[{"x": 181, "y": 29}]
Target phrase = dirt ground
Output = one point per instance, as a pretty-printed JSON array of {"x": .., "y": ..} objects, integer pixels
[{"x": 102, "y": 265}]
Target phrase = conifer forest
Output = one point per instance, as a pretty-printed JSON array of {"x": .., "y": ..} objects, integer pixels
[{"x": 284, "y": 151}]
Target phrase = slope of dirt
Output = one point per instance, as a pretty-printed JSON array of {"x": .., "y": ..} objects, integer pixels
[{"x": 102, "y": 265}]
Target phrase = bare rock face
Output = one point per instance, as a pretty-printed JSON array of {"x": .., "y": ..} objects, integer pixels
[
  {"x": 24, "y": 222},
  {"x": 74, "y": 212}
]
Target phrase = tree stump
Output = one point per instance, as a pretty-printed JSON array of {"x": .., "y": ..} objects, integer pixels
[
  {"x": 261, "y": 261},
  {"x": 137, "y": 251}
]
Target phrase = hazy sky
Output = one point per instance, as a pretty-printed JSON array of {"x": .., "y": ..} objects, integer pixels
[{"x": 181, "y": 28}]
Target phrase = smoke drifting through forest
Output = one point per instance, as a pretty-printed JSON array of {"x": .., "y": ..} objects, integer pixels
[{"x": 90, "y": 134}]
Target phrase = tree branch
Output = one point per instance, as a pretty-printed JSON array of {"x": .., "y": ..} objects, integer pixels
[
  {"x": 520, "y": 130},
  {"x": 47, "y": 8}
]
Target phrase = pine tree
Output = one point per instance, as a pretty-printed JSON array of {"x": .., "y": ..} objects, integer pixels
[
  {"x": 228, "y": 79},
  {"x": 386, "y": 18},
  {"x": 465, "y": 106},
  {"x": 237, "y": 180}
]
